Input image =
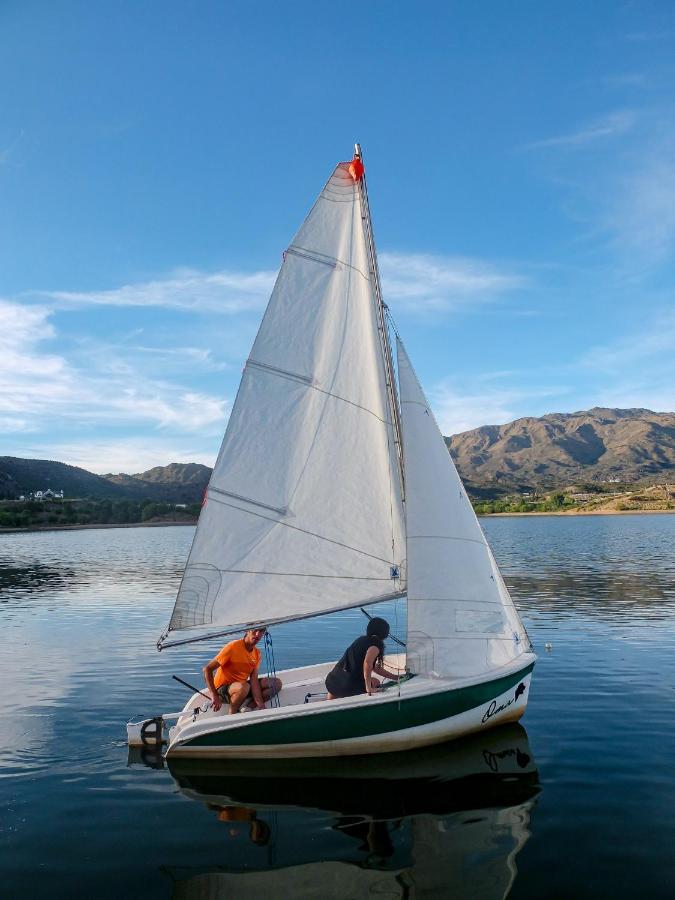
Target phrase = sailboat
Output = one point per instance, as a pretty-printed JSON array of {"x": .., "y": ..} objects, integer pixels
[{"x": 334, "y": 489}]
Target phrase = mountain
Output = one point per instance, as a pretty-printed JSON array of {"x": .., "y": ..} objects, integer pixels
[
  {"x": 23, "y": 476},
  {"x": 175, "y": 483},
  {"x": 556, "y": 450}
]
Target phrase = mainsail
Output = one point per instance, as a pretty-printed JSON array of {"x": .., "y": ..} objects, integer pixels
[
  {"x": 303, "y": 512},
  {"x": 461, "y": 619}
]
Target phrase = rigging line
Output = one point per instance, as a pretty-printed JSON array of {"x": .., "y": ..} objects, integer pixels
[
  {"x": 271, "y": 668},
  {"x": 319, "y": 537},
  {"x": 389, "y": 316},
  {"x": 300, "y": 575}
]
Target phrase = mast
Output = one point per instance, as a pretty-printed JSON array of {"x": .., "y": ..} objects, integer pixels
[{"x": 382, "y": 323}]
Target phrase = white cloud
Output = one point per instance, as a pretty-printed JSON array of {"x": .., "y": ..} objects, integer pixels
[
  {"x": 129, "y": 455},
  {"x": 424, "y": 283},
  {"x": 39, "y": 390},
  {"x": 611, "y": 125},
  {"x": 458, "y": 411},
  {"x": 189, "y": 356},
  {"x": 224, "y": 292}
]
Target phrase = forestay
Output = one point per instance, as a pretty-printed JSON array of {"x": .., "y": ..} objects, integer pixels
[
  {"x": 303, "y": 512},
  {"x": 461, "y": 619}
]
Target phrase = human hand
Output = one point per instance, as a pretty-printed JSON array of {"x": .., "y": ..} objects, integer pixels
[{"x": 216, "y": 701}]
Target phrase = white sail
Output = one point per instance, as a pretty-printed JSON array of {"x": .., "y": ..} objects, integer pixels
[
  {"x": 461, "y": 619},
  {"x": 303, "y": 512}
]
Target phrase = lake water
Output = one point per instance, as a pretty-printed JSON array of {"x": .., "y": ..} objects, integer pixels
[{"x": 581, "y": 803}]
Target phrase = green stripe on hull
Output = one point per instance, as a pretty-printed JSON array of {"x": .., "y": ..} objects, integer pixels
[{"x": 362, "y": 721}]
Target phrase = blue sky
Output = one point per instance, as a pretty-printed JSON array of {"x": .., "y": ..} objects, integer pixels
[{"x": 156, "y": 159}]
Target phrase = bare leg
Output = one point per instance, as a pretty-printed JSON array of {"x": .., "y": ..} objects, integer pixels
[
  {"x": 270, "y": 687},
  {"x": 238, "y": 693},
  {"x": 329, "y": 696}
]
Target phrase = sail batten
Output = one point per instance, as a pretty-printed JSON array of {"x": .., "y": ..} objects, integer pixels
[{"x": 304, "y": 511}]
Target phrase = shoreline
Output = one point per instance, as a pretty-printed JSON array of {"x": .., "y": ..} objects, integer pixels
[
  {"x": 175, "y": 523},
  {"x": 91, "y": 525},
  {"x": 581, "y": 512}
]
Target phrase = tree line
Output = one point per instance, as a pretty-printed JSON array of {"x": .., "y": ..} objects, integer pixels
[{"x": 90, "y": 511}]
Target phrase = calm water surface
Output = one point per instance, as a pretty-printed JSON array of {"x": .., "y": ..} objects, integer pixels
[{"x": 579, "y": 804}]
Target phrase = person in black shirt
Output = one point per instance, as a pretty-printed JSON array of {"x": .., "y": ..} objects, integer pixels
[{"x": 352, "y": 674}]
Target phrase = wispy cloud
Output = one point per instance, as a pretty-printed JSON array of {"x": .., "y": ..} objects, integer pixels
[
  {"x": 129, "y": 455},
  {"x": 640, "y": 211},
  {"x": 653, "y": 348},
  {"x": 225, "y": 292},
  {"x": 424, "y": 283},
  {"x": 457, "y": 411},
  {"x": 611, "y": 125},
  {"x": 41, "y": 389}
]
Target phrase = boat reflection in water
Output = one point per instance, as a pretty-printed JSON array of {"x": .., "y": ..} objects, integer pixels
[{"x": 448, "y": 820}]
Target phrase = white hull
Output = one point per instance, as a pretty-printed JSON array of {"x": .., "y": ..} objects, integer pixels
[{"x": 392, "y": 719}]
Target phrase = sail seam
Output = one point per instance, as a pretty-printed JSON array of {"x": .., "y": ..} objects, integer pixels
[
  {"x": 320, "y": 537},
  {"x": 331, "y": 261},
  {"x": 305, "y": 379},
  {"x": 333, "y": 200}
]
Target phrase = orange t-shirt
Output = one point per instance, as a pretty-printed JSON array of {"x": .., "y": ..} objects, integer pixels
[{"x": 236, "y": 663}]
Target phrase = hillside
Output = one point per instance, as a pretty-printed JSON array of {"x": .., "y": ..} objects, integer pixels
[
  {"x": 175, "y": 483},
  {"x": 23, "y": 476},
  {"x": 531, "y": 454},
  {"x": 626, "y": 445}
]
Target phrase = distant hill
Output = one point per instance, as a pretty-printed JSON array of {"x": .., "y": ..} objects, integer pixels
[
  {"x": 175, "y": 483},
  {"x": 22, "y": 476},
  {"x": 554, "y": 451},
  {"x": 559, "y": 449}
]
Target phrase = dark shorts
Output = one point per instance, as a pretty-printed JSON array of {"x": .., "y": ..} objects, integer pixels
[
  {"x": 340, "y": 684},
  {"x": 224, "y": 692}
]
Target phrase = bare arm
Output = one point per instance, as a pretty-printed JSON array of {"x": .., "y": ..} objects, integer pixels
[
  {"x": 208, "y": 671},
  {"x": 385, "y": 673},
  {"x": 256, "y": 690},
  {"x": 368, "y": 663}
]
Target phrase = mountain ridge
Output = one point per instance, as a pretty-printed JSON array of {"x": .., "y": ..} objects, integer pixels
[
  {"x": 529, "y": 454},
  {"x": 542, "y": 453}
]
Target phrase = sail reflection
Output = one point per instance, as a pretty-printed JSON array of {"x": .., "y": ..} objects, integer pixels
[{"x": 443, "y": 821}]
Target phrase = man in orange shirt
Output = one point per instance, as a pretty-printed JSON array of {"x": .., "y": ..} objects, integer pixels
[{"x": 233, "y": 674}]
